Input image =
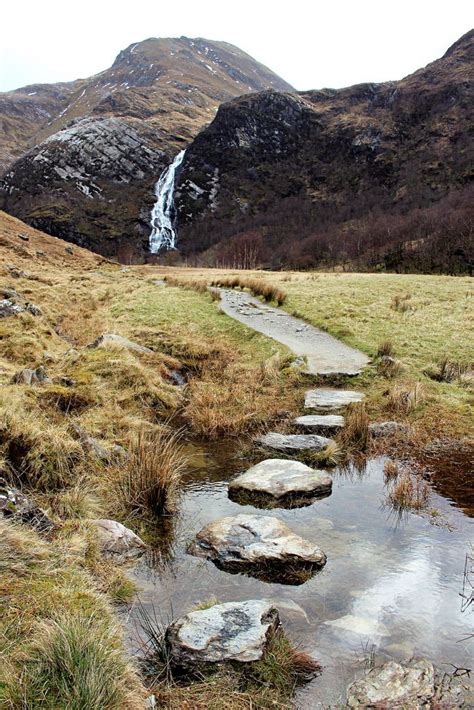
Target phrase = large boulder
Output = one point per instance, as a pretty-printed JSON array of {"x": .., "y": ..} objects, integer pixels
[
  {"x": 408, "y": 685},
  {"x": 14, "y": 504},
  {"x": 293, "y": 442},
  {"x": 234, "y": 631},
  {"x": 280, "y": 483},
  {"x": 324, "y": 398},
  {"x": 119, "y": 341},
  {"x": 118, "y": 542},
  {"x": 261, "y": 546}
]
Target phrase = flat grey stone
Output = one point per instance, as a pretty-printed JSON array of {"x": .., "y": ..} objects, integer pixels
[
  {"x": 294, "y": 442},
  {"x": 118, "y": 340},
  {"x": 409, "y": 685},
  {"x": 331, "y": 399},
  {"x": 118, "y": 542},
  {"x": 235, "y": 631},
  {"x": 280, "y": 482},
  {"x": 320, "y": 422},
  {"x": 379, "y": 429},
  {"x": 263, "y": 546}
]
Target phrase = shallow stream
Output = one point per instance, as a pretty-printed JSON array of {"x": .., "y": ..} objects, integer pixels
[{"x": 391, "y": 585}]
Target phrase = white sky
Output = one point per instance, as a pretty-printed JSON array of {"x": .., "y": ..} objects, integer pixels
[{"x": 311, "y": 44}]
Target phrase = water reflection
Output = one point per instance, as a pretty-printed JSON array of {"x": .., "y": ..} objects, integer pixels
[{"x": 394, "y": 586}]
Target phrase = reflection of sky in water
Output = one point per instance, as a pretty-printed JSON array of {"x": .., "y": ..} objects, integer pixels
[{"x": 389, "y": 582}]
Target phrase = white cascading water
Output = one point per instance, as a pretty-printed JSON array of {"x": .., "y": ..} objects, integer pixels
[{"x": 163, "y": 235}]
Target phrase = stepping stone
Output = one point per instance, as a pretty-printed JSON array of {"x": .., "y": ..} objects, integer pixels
[
  {"x": 294, "y": 442},
  {"x": 235, "y": 631},
  {"x": 331, "y": 399},
  {"x": 261, "y": 546},
  {"x": 320, "y": 422},
  {"x": 278, "y": 483},
  {"x": 409, "y": 685},
  {"x": 118, "y": 542}
]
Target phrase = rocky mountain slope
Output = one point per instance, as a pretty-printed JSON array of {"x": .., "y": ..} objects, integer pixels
[
  {"x": 96, "y": 146},
  {"x": 375, "y": 173}
]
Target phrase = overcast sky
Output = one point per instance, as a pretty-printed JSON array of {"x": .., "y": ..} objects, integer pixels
[{"x": 311, "y": 44}]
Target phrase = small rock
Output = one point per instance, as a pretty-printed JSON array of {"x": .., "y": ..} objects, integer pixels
[
  {"x": 320, "y": 422},
  {"x": 14, "y": 504},
  {"x": 34, "y": 310},
  {"x": 31, "y": 377},
  {"x": 9, "y": 308},
  {"x": 408, "y": 685},
  {"x": 331, "y": 399},
  {"x": 120, "y": 341},
  {"x": 24, "y": 237},
  {"x": 15, "y": 272},
  {"x": 235, "y": 631},
  {"x": 40, "y": 253},
  {"x": 294, "y": 442},
  {"x": 262, "y": 546},
  {"x": 361, "y": 625},
  {"x": 69, "y": 250},
  {"x": 65, "y": 381},
  {"x": 379, "y": 429},
  {"x": 278, "y": 482},
  {"x": 118, "y": 542}
]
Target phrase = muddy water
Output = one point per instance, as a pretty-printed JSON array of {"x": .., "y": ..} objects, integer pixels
[
  {"x": 391, "y": 585},
  {"x": 324, "y": 354}
]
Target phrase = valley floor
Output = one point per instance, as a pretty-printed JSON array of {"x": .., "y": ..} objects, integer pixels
[{"x": 59, "y": 595}]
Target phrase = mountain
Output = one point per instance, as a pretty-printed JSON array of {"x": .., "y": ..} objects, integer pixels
[
  {"x": 375, "y": 174},
  {"x": 80, "y": 159}
]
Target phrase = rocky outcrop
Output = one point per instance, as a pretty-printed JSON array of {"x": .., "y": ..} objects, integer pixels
[
  {"x": 293, "y": 442},
  {"x": 329, "y": 175},
  {"x": 280, "y": 483},
  {"x": 330, "y": 399},
  {"x": 410, "y": 686},
  {"x": 118, "y": 542},
  {"x": 235, "y": 631},
  {"x": 260, "y": 546}
]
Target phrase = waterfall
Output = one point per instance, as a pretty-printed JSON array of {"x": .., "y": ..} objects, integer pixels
[{"x": 163, "y": 235}]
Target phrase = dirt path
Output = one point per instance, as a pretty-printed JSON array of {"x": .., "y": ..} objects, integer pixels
[{"x": 324, "y": 353}]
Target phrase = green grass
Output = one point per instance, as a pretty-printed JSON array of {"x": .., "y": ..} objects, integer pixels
[{"x": 358, "y": 309}]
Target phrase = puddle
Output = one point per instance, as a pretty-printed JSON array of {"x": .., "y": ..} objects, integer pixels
[{"x": 391, "y": 585}]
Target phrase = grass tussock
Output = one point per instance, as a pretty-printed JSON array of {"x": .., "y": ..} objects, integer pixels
[
  {"x": 401, "y": 303},
  {"x": 75, "y": 662},
  {"x": 389, "y": 367},
  {"x": 39, "y": 453},
  {"x": 391, "y": 470},
  {"x": 355, "y": 434},
  {"x": 149, "y": 482},
  {"x": 385, "y": 349},
  {"x": 408, "y": 492},
  {"x": 259, "y": 287},
  {"x": 449, "y": 370},
  {"x": 405, "y": 399},
  {"x": 59, "y": 645}
]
